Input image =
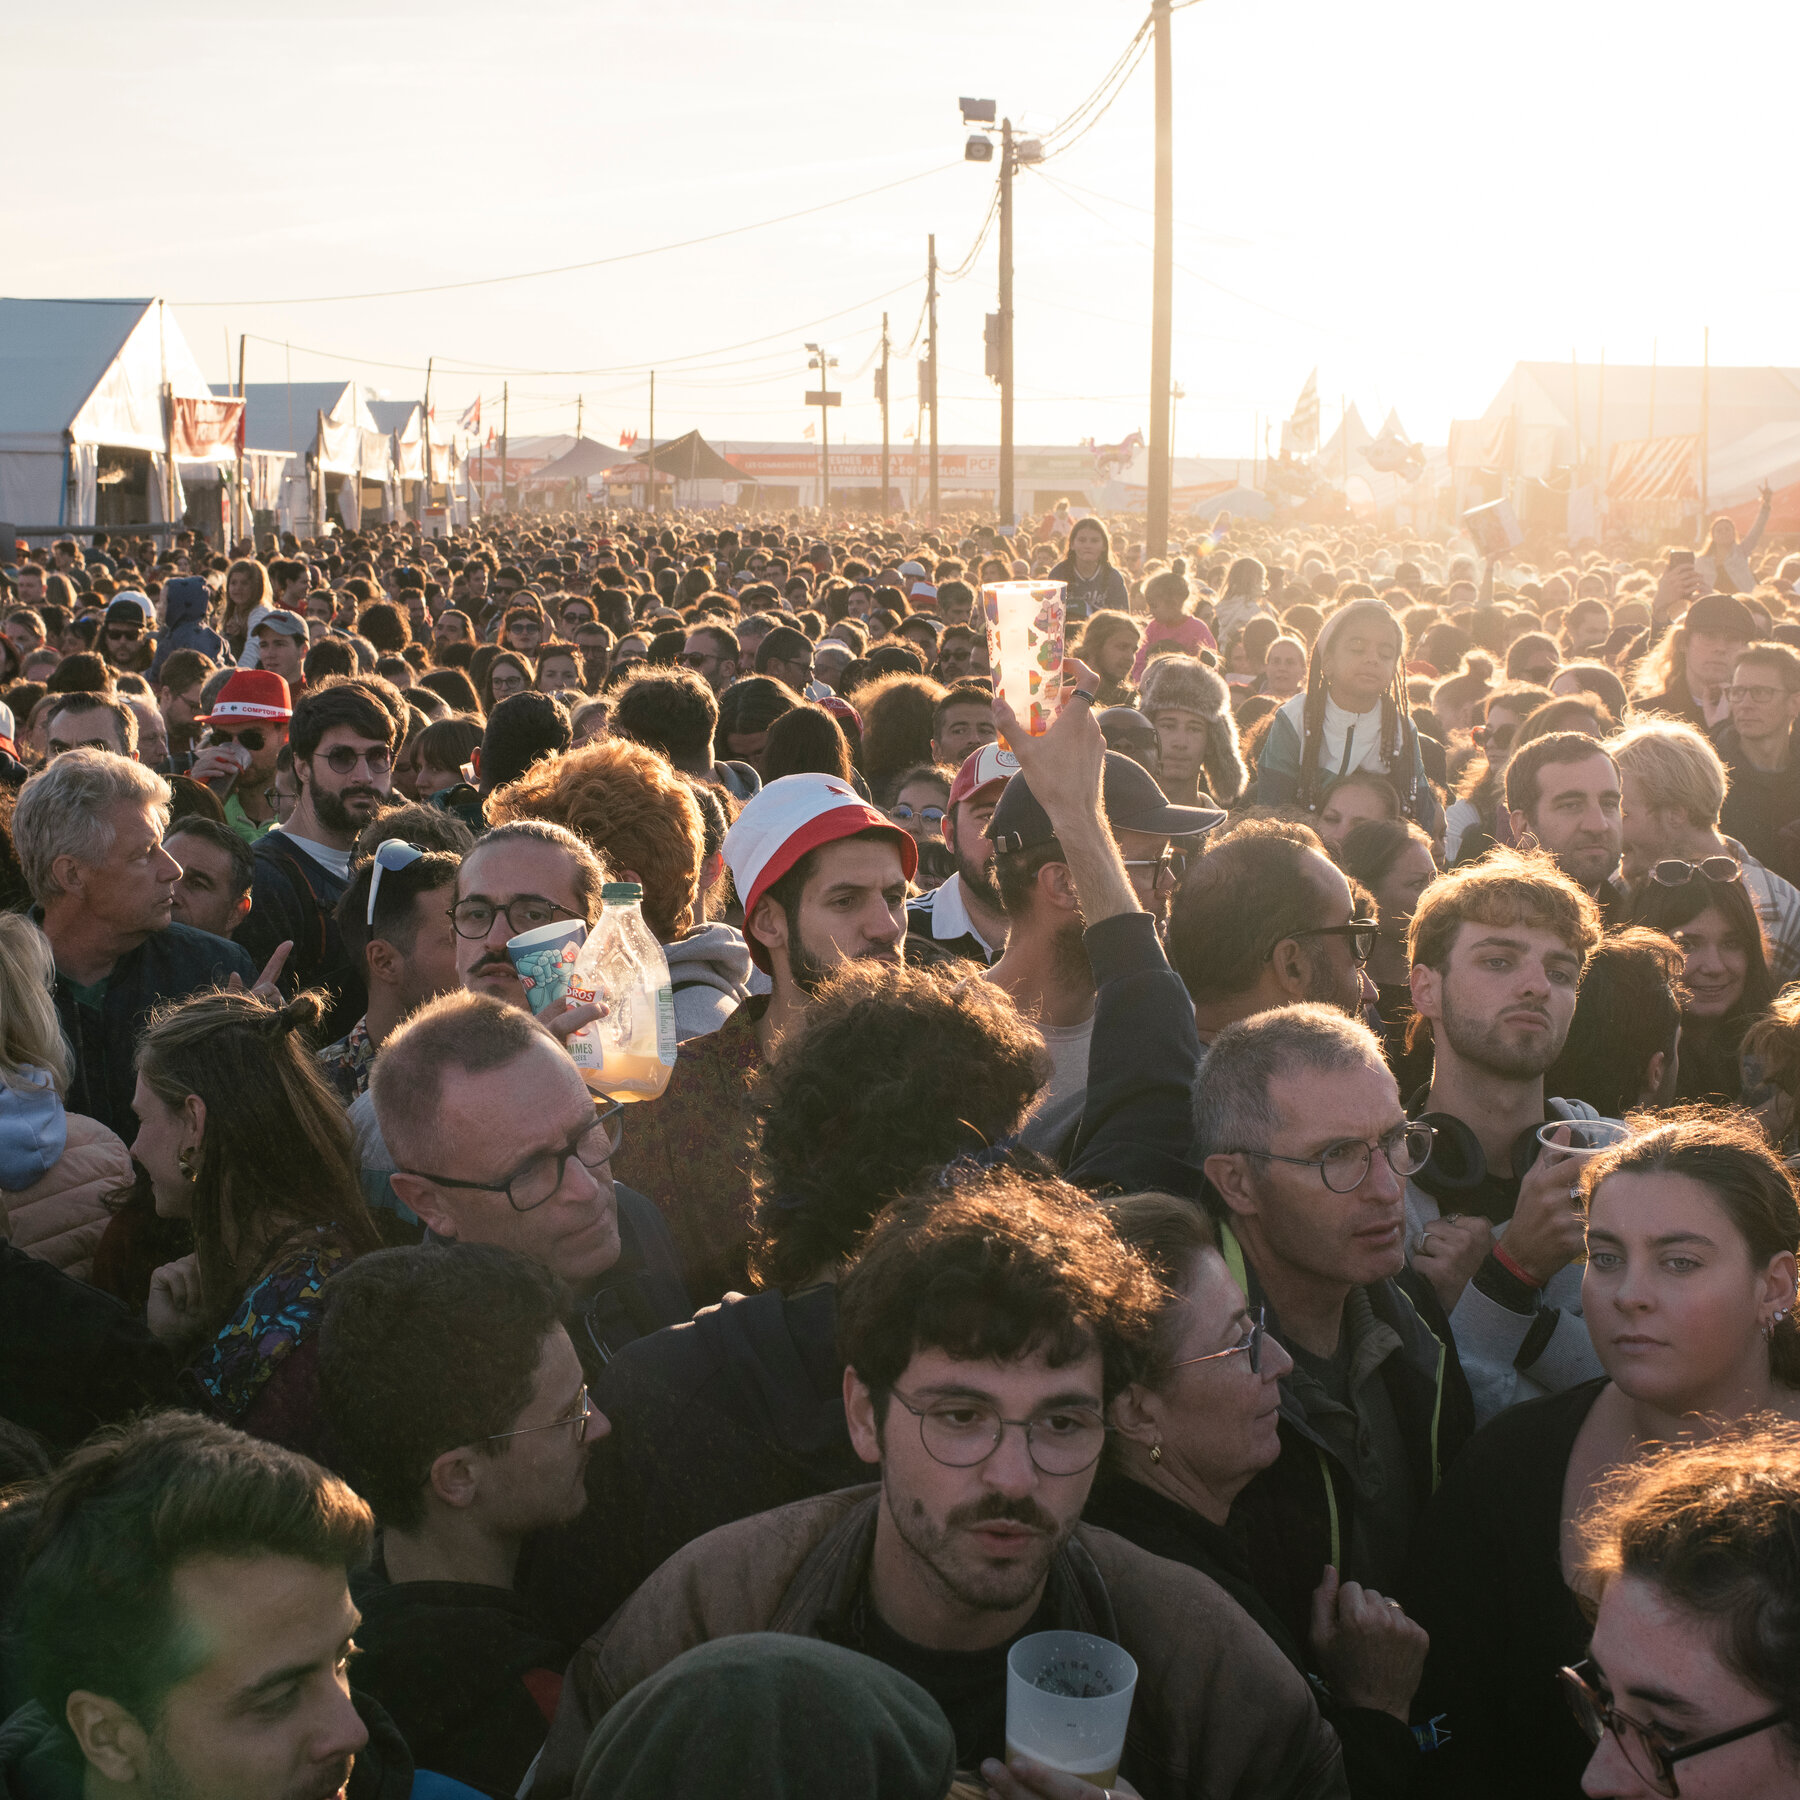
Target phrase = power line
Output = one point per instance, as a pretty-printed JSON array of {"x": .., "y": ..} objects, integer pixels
[
  {"x": 1085, "y": 116},
  {"x": 711, "y": 237}
]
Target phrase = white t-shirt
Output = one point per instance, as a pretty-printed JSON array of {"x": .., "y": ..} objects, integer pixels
[{"x": 327, "y": 856}]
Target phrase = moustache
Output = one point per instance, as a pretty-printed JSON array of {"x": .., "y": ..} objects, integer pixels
[
  {"x": 493, "y": 959},
  {"x": 1023, "y": 1511}
]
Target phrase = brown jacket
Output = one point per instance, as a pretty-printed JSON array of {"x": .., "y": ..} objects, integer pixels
[{"x": 1219, "y": 1710}]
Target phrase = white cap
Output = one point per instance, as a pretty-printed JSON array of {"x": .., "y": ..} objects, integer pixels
[{"x": 788, "y": 818}]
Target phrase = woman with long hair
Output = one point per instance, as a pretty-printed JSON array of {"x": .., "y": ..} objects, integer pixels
[
  {"x": 1726, "y": 983},
  {"x": 1692, "y": 1231},
  {"x": 1353, "y": 715},
  {"x": 247, "y": 586},
  {"x": 509, "y": 673},
  {"x": 239, "y": 1134},
  {"x": 1245, "y": 597},
  {"x": 1094, "y": 584}
]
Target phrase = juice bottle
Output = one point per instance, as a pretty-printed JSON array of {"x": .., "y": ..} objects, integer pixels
[{"x": 628, "y": 1052}]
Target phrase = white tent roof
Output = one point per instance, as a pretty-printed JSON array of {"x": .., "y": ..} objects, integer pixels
[
  {"x": 284, "y": 416},
  {"x": 90, "y": 370}
]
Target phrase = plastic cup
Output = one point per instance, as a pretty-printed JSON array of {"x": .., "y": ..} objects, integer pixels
[
  {"x": 545, "y": 959},
  {"x": 1587, "y": 1137},
  {"x": 1068, "y": 1701},
  {"x": 1025, "y": 647}
]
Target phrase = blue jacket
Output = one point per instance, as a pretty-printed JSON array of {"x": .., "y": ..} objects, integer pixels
[
  {"x": 33, "y": 1129},
  {"x": 186, "y": 602}
]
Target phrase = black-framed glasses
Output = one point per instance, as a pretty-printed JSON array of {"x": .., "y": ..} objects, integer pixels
[
  {"x": 125, "y": 631},
  {"x": 474, "y": 917},
  {"x": 960, "y": 1432},
  {"x": 537, "y": 1179},
  {"x": 1645, "y": 1748},
  {"x": 695, "y": 659},
  {"x": 1359, "y": 934},
  {"x": 1344, "y": 1167},
  {"x": 932, "y": 815},
  {"x": 1249, "y": 1345},
  {"x": 1172, "y": 862},
  {"x": 584, "y": 1411},
  {"x": 275, "y": 800},
  {"x": 1757, "y": 693},
  {"x": 1672, "y": 872},
  {"x": 392, "y": 855},
  {"x": 343, "y": 760},
  {"x": 251, "y": 737}
]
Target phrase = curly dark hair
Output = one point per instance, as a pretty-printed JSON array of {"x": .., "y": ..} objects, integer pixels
[
  {"x": 894, "y": 1073},
  {"x": 999, "y": 1266}
]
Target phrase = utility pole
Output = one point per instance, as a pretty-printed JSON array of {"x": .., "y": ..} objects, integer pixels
[
  {"x": 930, "y": 397},
  {"x": 425, "y": 423},
  {"x": 652, "y": 457},
  {"x": 505, "y": 399},
  {"x": 1162, "y": 292},
  {"x": 246, "y": 519},
  {"x": 882, "y": 384},
  {"x": 1006, "y": 322},
  {"x": 1705, "y": 416},
  {"x": 578, "y": 400}
]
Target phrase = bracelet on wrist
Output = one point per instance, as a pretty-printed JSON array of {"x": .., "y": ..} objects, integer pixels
[{"x": 1514, "y": 1268}]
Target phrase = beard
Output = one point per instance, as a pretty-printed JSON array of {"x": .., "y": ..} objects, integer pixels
[
  {"x": 971, "y": 1579},
  {"x": 1485, "y": 1044},
  {"x": 1069, "y": 962},
  {"x": 334, "y": 814},
  {"x": 811, "y": 971},
  {"x": 978, "y": 879}
]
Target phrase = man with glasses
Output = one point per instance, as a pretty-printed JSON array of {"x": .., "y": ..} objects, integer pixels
[
  {"x": 786, "y": 655},
  {"x": 1763, "y": 801},
  {"x": 1498, "y": 949},
  {"x": 178, "y": 686},
  {"x": 246, "y": 731},
  {"x": 126, "y": 639},
  {"x": 497, "y": 1140},
  {"x": 342, "y": 737},
  {"x": 985, "y": 1422},
  {"x": 1299, "y": 1123},
  {"x": 518, "y": 877},
  {"x": 476, "y": 1435},
  {"x": 1265, "y": 919},
  {"x": 714, "y": 654}
]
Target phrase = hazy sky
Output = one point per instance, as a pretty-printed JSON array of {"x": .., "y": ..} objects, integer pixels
[{"x": 1410, "y": 194}]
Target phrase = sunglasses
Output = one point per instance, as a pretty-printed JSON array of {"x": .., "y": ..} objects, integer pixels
[
  {"x": 392, "y": 855},
  {"x": 1360, "y": 934},
  {"x": 251, "y": 737},
  {"x": 932, "y": 815},
  {"x": 1673, "y": 873},
  {"x": 343, "y": 759}
]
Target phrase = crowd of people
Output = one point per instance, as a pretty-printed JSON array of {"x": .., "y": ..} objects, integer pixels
[{"x": 1291, "y": 1170}]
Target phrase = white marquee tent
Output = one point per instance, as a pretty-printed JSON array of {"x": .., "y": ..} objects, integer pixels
[{"x": 84, "y": 432}]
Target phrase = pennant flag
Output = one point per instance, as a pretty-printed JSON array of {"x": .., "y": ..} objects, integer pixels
[
  {"x": 627, "y": 440},
  {"x": 471, "y": 418},
  {"x": 1301, "y": 433},
  {"x": 810, "y": 431}
]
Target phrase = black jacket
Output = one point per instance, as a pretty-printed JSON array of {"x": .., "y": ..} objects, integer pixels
[
  {"x": 1486, "y": 1581},
  {"x": 1381, "y": 1757},
  {"x": 1299, "y": 1514},
  {"x": 168, "y": 965},
  {"x": 39, "y": 1761},
  {"x": 71, "y": 1357},
  {"x": 466, "y": 1673},
  {"x": 1762, "y": 806},
  {"x": 641, "y": 1293},
  {"x": 293, "y": 900},
  {"x": 735, "y": 1412}
]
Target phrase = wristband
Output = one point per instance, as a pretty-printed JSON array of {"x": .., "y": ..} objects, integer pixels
[{"x": 1513, "y": 1268}]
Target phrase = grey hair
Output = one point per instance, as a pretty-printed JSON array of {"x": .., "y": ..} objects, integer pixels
[
  {"x": 471, "y": 1034},
  {"x": 1232, "y": 1109},
  {"x": 590, "y": 871},
  {"x": 83, "y": 701},
  {"x": 61, "y": 811}
]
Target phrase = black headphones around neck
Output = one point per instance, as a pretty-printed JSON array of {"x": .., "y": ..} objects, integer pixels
[{"x": 1458, "y": 1163}]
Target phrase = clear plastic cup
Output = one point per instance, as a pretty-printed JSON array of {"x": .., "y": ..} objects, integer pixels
[
  {"x": 545, "y": 959},
  {"x": 1025, "y": 647},
  {"x": 1068, "y": 1701},
  {"x": 1587, "y": 1137}
]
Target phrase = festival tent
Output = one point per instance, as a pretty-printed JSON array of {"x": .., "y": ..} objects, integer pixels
[
  {"x": 691, "y": 458},
  {"x": 328, "y": 431},
  {"x": 85, "y": 435},
  {"x": 583, "y": 458}
]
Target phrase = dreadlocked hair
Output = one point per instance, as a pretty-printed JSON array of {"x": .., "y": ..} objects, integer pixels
[{"x": 1393, "y": 709}]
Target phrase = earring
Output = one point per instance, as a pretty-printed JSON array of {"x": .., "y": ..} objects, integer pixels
[
  {"x": 185, "y": 1162},
  {"x": 1156, "y": 1451}
]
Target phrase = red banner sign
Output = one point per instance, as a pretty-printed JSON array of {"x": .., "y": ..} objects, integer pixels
[{"x": 206, "y": 430}]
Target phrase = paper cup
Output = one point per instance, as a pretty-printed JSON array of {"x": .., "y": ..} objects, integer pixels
[
  {"x": 1587, "y": 1137},
  {"x": 1025, "y": 647},
  {"x": 1068, "y": 1701},
  {"x": 545, "y": 959}
]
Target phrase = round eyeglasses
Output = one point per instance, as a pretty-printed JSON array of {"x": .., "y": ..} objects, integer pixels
[
  {"x": 474, "y": 917},
  {"x": 932, "y": 815},
  {"x": 959, "y": 1433},
  {"x": 1344, "y": 1167},
  {"x": 343, "y": 759}
]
